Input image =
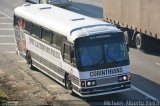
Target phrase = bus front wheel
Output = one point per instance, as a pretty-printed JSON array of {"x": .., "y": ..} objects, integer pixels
[{"x": 68, "y": 84}]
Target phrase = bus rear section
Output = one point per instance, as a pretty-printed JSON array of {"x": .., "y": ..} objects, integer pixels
[{"x": 103, "y": 64}]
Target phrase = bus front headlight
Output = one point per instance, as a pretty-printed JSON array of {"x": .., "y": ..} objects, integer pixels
[
  {"x": 91, "y": 83},
  {"x": 88, "y": 83},
  {"x": 124, "y": 78}
]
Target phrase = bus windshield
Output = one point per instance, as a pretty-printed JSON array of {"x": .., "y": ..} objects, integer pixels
[{"x": 110, "y": 50}]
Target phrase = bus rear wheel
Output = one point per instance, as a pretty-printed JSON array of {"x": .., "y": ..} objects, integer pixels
[{"x": 29, "y": 60}]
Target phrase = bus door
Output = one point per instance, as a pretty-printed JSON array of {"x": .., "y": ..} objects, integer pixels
[{"x": 68, "y": 57}]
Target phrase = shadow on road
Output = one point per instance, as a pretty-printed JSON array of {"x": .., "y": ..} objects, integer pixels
[
  {"x": 151, "y": 48},
  {"x": 155, "y": 48},
  {"x": 155, "y": 52}
]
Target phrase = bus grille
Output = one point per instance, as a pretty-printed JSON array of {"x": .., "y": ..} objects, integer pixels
[{"x": 105, "y": 81}]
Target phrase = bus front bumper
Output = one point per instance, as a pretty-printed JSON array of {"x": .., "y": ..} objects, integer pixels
[{"x": 103, "y": 90}]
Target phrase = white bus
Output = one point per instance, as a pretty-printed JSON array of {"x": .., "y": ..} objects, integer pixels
[
  {"x": 89, "y": 57},
  {"x": 60, "y": 3}
]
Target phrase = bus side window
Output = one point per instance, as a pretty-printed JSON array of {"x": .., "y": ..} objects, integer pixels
[
  {"x": 46, "y": 35},
  {"x": 27, "y": 26},
  {"x": 57, "y": 40},
  {"x": 54, "y": 38},
  {"x": 66, "y": 53},
  {"x": 36, "y": 31}
]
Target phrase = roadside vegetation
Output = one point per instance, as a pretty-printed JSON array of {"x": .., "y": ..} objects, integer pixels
[
  {"x": 21, "y": 90},
  {"x": 3, "y": 95}
]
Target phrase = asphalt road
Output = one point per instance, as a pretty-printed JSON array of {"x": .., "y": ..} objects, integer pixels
[{"x": 145, "y": 66}]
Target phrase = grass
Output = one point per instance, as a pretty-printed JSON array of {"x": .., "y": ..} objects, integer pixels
[{"x": 3, "y": 97}]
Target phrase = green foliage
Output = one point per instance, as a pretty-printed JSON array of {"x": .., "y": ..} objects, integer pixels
[{"x": 3, "y": 98}]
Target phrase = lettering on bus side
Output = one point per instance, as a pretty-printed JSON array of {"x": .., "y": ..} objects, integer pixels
[
  {"x": 44, "y": 48},
  {"x": 99, "y": 73}
]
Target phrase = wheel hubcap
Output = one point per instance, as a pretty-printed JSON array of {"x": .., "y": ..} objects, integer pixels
[{"x": 138, "y": 42}]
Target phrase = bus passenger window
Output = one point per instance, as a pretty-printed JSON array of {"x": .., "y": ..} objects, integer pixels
[
  {"x": 59, "y": 40},
  {"x": 35, "y": 31},
  {"x": 66, "y": 54},
  {"x": 54, "y": 38},
  {"x": 46, "y": 35},
  {"x": 27, "y": 26}
]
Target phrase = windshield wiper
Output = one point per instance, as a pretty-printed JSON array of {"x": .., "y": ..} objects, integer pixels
[{"x": 111, "y": 58}]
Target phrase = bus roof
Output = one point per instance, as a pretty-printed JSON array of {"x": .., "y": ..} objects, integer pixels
[{"x": 70, "y": 24}]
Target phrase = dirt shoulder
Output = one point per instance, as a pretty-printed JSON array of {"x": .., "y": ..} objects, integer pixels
[
  {"x": 31, "y": 87},
  {"x": 20, "y": 87}
]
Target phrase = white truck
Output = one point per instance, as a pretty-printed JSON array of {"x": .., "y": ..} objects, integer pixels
[{"x": 138, "y": 19}]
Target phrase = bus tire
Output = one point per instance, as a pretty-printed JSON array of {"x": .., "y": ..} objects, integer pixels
[
  {"x": 68, "y": 84},
  {"x": 29, "y": 60}
]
